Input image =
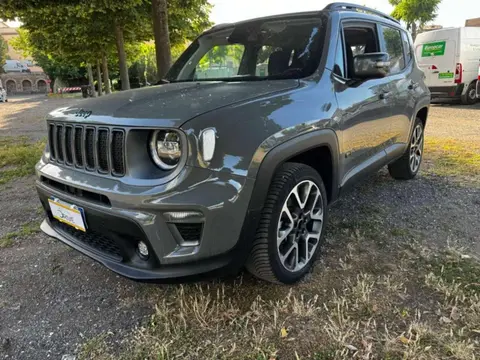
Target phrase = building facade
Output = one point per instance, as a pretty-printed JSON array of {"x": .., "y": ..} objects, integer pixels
[{"x": 35, "y": 81}]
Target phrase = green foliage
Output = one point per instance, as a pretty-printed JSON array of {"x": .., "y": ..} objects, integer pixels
[
  {"x": 3, "y": 53},
  {"x": 65, "y": 35},
  {"x": 53, "y": 64},
  {"x": 221, "y": 54},
  {"x": 187, "y": 19},
  {"x": 415, "y": 12}
]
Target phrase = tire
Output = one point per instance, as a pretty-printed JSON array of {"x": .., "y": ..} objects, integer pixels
[
  {"x": 265, "y": 260},
  {"x": 403, "y": 168},
  {"x": 470, "y": 97}
]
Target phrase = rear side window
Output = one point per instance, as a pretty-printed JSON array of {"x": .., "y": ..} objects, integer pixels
[{"x": 394, "y": 47}]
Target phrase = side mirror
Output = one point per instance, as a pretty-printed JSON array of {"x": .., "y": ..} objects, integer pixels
[{"x": 371, "y": 65}]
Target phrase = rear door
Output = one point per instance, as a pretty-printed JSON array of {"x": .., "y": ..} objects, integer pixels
[
  {"x": 436, "y": 55},
  {"x": 401, "y": 88}
]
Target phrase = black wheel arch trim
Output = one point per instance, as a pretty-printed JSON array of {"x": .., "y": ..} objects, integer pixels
[
  {"x": 272, "y": 161},
  {"x": 284, "y": 152}
]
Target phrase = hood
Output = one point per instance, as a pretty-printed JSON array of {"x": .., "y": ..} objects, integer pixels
[{"x": 172, "y": 104}]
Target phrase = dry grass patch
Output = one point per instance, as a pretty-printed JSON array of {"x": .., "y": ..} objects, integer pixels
[
  {"x": 18, "y": 157},
  {"x": 397, "y": 301},
  {"x": 449, "y": 157}
]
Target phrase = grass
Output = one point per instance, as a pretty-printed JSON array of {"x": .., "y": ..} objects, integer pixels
[
  {"x": 400, "y": 301},
  {"x": 18, "y": 157},
  {"x": 450, "y": 157},
  {"x": 25, "y": 230}
]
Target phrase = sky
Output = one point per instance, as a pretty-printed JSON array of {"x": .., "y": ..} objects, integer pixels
[{"x": 450, "y": 12}]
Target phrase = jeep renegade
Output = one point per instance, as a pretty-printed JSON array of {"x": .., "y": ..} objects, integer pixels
[{"x": 234, "y": 159}]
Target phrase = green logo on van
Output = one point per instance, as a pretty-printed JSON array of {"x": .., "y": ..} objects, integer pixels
[{"x": 434, "y": 49}]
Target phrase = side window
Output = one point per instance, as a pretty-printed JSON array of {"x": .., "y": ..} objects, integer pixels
[
  {"x": 408, "y": 47},
  {"x": 220, "y": 61},
  {"x": 339, "y": 67},
  {"x": 358, "y": 40},
  {"x": 394, "y": 47}
]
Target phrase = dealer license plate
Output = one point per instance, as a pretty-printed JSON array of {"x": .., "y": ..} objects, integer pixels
[{"x": 67, "y": 213}]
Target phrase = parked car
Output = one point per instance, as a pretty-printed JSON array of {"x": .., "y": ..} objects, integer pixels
[
  {"x": 449, "y": 58},
  {"x": 209, "y": 175},
  {"x": 3, "y": 93}
]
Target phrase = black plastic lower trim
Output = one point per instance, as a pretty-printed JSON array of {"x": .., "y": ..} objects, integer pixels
[{"x": 446, "y": 91}]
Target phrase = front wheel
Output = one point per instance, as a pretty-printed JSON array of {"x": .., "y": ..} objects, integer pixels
[
  {"x": 408, "y": 165},
  {"x": 291, "y": 225}
]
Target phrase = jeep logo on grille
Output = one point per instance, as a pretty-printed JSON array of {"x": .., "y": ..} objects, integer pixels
[{"x": 83, "y": 113}]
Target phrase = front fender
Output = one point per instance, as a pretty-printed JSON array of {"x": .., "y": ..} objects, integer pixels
[{"x": 265, "y": 169}]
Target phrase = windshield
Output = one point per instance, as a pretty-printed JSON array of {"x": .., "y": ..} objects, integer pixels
[{"x": 260, "y": 50}]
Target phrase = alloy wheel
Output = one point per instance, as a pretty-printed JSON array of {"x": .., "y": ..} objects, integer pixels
[
  {"x": 472, "y": 94},
  {"x": 300, "y": 226},
  {"x": 416, "y": 148}
]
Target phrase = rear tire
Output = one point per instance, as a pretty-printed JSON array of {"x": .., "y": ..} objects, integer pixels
[
  {"x": 470, "y": 97},
  {"x": 408, "y": 165},
  {"x": 291, "y": 225}
]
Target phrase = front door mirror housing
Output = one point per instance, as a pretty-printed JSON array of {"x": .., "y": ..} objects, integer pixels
[{"x": 371, "y": 65}]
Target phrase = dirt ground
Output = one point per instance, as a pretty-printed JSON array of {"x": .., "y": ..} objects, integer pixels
[{"x": 56, "y": 302}]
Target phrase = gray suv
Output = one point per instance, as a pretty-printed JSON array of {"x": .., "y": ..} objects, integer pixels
[{"x": 235, "y": 157}]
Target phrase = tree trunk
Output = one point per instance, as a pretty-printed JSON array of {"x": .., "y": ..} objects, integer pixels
[
  {"x": 122, "y": 57},
  {"x": 414, "y": 30},
  {"x": 106, "y": 76},
  {"x": 162, "y": 38},
  {"x": 91, "y": 85},
  {"x": 99, "y": 79}
]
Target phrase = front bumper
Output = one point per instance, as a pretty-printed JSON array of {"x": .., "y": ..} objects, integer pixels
[{"x": 118, "y": 216}]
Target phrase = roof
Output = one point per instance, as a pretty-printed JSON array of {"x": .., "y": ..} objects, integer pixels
[{"x": 338, "y": 6}]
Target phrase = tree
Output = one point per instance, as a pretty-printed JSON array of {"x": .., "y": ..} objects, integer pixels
[
  {"x": 162, "y": 36},
  {"x": 415, "y": 13},
  {"x": 55, "y": 66},
  {"x": 3, "y": 53},
  {"x": 175, "y": 23},
  {"x": 82, "y": 30}
]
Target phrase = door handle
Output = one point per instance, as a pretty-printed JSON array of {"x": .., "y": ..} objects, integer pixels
[{"x": 385, "y": 95}]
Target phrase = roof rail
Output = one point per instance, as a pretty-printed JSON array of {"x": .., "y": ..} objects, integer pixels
[{"x": 354, "y": 7}]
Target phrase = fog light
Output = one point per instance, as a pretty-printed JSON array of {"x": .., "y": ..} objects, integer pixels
[{"x": 142, "y": 249}]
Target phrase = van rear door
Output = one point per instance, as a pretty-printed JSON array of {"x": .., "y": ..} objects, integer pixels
[{"x": 436, "y": 55}]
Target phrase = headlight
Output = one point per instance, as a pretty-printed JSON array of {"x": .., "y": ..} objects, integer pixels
[{"x": 166, "y": 149}]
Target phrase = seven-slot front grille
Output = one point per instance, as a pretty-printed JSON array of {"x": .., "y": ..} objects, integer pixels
[{"x": 94, "y": 148}]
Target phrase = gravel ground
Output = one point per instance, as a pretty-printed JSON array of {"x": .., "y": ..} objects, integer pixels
[
  {"x": 53, "y": 298},
  {"x": 25, "y": 115}
]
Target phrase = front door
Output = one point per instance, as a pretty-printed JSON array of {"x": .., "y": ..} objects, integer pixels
[{"x": 364, "y": 106}]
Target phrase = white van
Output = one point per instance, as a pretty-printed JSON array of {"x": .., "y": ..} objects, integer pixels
[
  {"x": 15, "y": 66},
  {"x": 449, "y": 58}
]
